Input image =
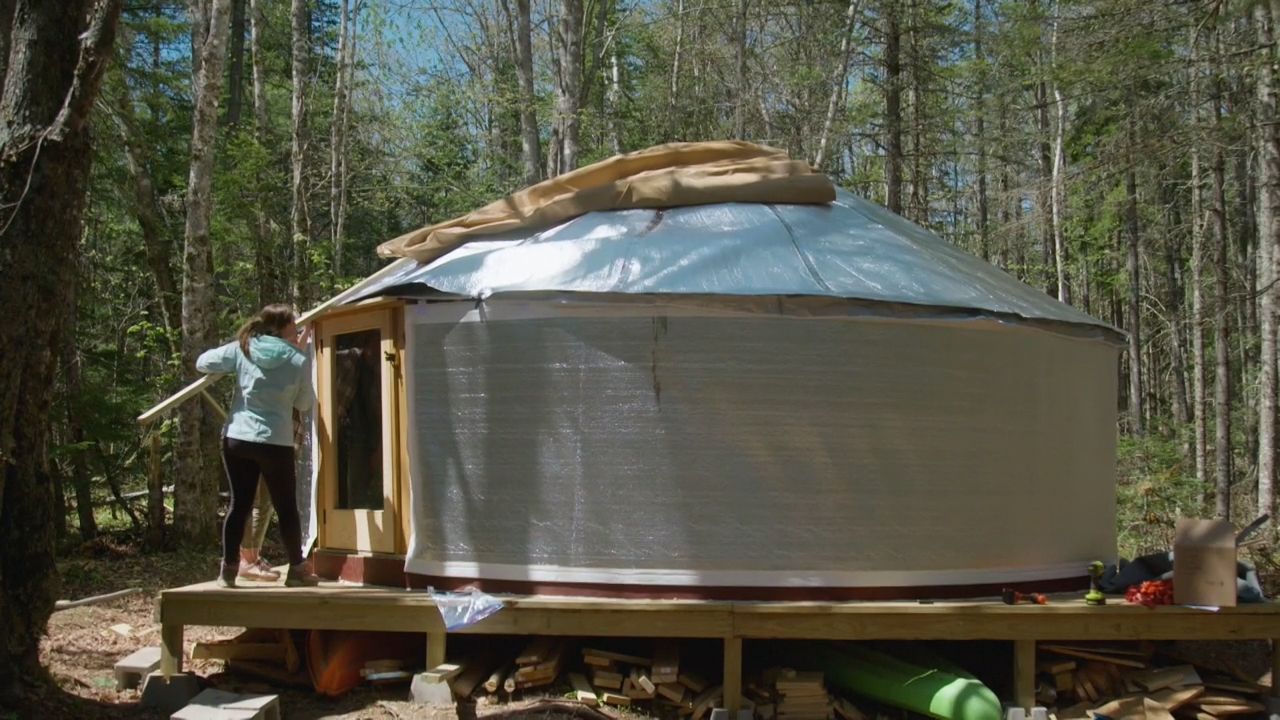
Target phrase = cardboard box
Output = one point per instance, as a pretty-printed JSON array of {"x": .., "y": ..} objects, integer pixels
[{"x": 1204, "y": 563}]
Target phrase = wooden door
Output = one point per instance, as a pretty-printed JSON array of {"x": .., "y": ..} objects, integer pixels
[{"x": 358, "y": 509}]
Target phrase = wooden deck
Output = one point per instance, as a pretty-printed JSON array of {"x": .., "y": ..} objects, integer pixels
[{"x": 334, "y": 606}]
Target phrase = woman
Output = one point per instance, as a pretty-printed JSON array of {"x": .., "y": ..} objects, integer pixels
[{"x": 273, "y": 378}]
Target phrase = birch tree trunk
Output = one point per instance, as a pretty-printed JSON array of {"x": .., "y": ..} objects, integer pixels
[
  {"x": 1198, "y": 359},
  {"x": 1058, "y": 191},
  {"x": 195, "y": 510},
  {"x": 530, "y": 152},
  {"x": 1268, "y": 136},
  {"x": 57, "y": 51},
  {"x": 298, "y": 222},
  {"x": 838, "y": 79}
]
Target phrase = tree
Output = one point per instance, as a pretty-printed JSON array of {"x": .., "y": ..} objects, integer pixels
[
  {"x": 1268, "y": 139},
  {"x": 195, "y": 512},
  {"x": 299, "y": 224},
  {"x": 568, "y": 43},
  {"x": 55, "y": 54}
]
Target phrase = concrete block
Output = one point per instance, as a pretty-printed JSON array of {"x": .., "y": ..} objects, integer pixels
[
  {"x": 131, "y": 670},
  {"x": 428, "y": 690},
  {"x": 221, "y": 705},
  {"x": 1015, "y": 713},
  {"x": 719, "y": 714},
  {"x": 169, "y": 696}
]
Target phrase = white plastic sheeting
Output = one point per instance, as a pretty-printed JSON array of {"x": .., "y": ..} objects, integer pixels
[
  {"x": 625, "y": 443},
  {"x": 851, "y": 249}
]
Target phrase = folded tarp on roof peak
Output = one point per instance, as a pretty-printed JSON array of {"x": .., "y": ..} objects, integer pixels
[{"x": 671, "y": 175}]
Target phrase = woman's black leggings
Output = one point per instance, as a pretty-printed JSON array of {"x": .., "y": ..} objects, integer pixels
[{"x": 245, "y": 461}]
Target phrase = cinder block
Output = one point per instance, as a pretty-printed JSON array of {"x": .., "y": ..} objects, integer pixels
[
  {"x": 169, "y": 696},
  {"x": 719, "y": 714},
  {"x": 131, "y": 670},
  {"x": 430, "y": 691},
  {"x": 221, "y": 705}
]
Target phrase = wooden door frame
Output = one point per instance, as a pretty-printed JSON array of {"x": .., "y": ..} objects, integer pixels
[{"x": 364, "y": 531}]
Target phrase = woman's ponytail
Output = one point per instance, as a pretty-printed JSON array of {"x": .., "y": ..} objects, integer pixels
[{"x": 270, "y": 320}]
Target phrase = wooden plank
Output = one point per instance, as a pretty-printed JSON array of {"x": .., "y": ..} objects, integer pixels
[
  {"x": 609, "y": 698},
  {"x": 494, "y": 681},
  {"x": 674, "y": 692},
  {"x": 1024, "y": 673},
  {"x": 1275, "y": 667},
  {"x": 732, "y": 689},
  {"x": 1158, "y": 678},
  {"x": 537, "y": 651},
  {"x": 616, "y": 656},
  {"x": 606, "y": 679},
  {"x": 1173, "y": 698},
  {"x": 666, "y": 662},
  {"x": 582, "y": 690},
  {"x": 171, "y": 649},
  {"x": 435, "y": 648},
  {"x": 228, "y": 650},
  {"x": 443, "y": 672},
  {"x": 1088, "y": 655},
  {"x": 693, "y": 681},
  {"x": 706, "y": 700}
]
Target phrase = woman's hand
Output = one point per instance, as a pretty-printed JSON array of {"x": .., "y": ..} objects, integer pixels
[{"x": 303, "y": 338}]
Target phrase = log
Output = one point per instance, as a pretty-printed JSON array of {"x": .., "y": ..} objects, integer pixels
[{"x": 95, "y": 599}]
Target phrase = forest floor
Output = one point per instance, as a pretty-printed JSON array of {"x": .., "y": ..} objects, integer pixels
[{"x": 84, "y": 643}]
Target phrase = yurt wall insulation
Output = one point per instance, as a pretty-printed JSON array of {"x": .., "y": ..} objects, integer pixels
[{"x": 753, "y": 397}]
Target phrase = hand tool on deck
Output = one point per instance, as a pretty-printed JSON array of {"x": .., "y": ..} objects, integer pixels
[
  {"x": 1095, "y": 596},
  {"x": 1013, "y": 597}
]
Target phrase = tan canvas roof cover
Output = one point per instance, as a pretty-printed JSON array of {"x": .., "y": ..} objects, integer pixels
[{"x": 672, "y": 175}]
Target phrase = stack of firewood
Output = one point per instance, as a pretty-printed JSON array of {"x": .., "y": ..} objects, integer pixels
[{"x": 1120, "y": 681}]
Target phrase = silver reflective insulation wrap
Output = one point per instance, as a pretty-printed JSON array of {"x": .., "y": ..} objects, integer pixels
[{"x": 749, "y": 450}]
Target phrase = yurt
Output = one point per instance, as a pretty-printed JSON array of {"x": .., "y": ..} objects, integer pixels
[{"x": 702, "y": 371}]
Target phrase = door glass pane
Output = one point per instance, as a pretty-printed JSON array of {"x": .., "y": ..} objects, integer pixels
[{"x": 357, "y": 390}]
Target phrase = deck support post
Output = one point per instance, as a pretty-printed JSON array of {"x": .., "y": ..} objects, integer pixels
[
  {"x": 1275, "y": 669},
  {"x": 732, "y": 685},
  {"x": 435, "y": 648},
  {"x": 1024, "y": 673},
  {"x": 170, "y": 649}
]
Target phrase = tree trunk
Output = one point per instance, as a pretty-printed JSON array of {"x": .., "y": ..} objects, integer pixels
[
  {"x": 195, "y": 511},
  {"x": 1198, "y": 360},
  {"x": 530, "y": 152},
  {"x": 1268, "y": 175},
  {"x": 57, "y": 54},
  {"x": 568, "y": 47},
  {"x": 980, "y": 133},
  {"x": 1174, "y": 302},
  {"x": 614, "y": 99},
  {"x": 298, "y": 223},
  {"x": 80, "y": 481},
  {"x": 1058, "y": 193},
  {"x": 337, "y": 140},
  {"x": 1222, "y": 315},
  {"x": 264, "y": 244},
  {"x": 235, "y": 72},
  {"x": 740, "y": 69},
  {"x": 1134, "y": 309},
  {"x": 893, "y": 108},
  {"x": 839, "y": 78},
  {"x": 150, "y": 217},
  {"x": 673, "y": 97}
]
